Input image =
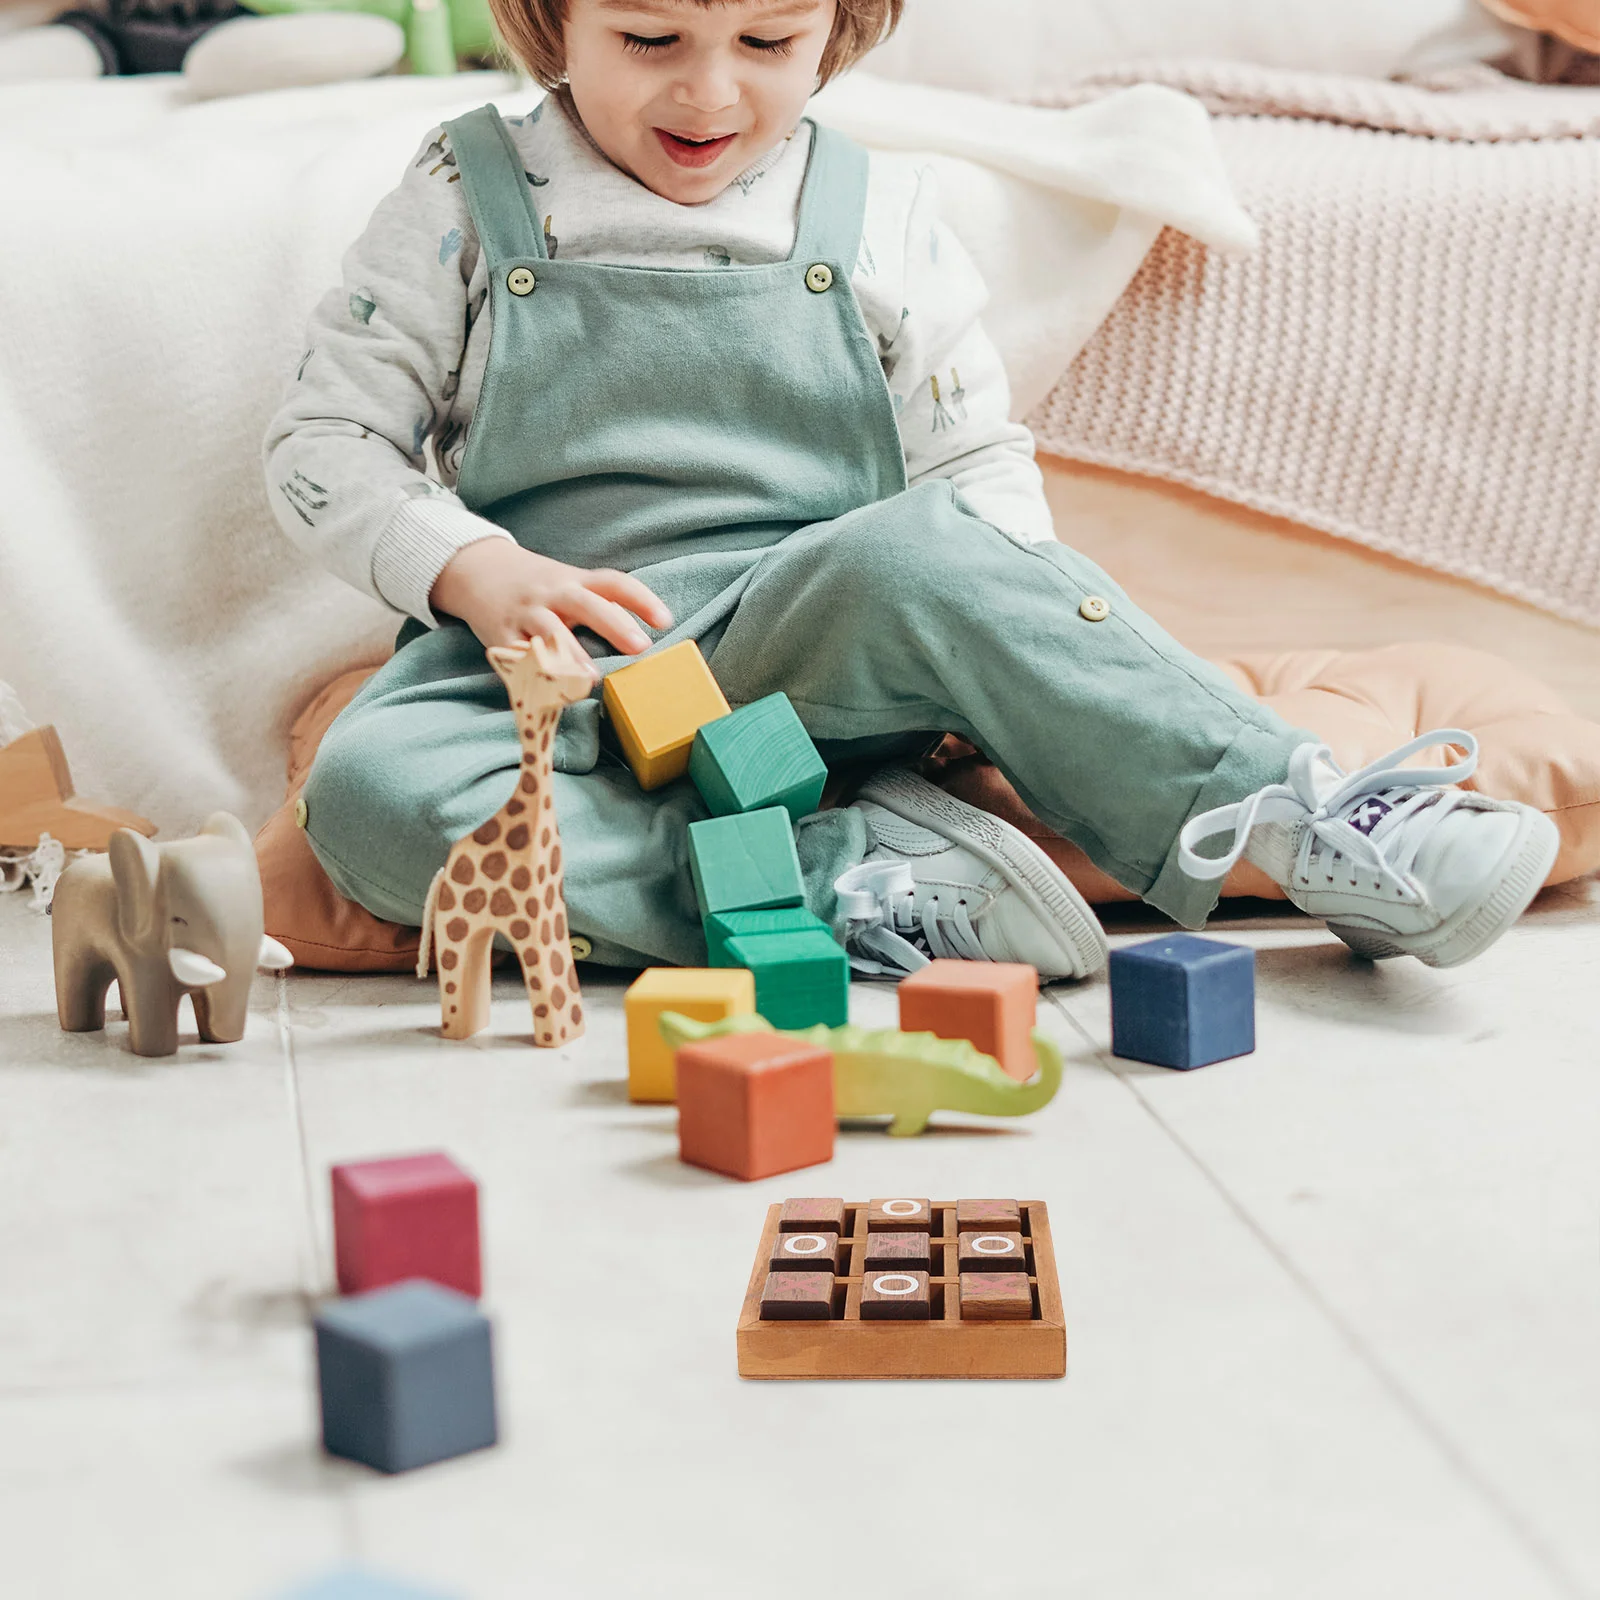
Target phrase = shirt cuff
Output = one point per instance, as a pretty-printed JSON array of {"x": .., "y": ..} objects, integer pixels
[
  {"x": 1017, "y": 510},
  {"x": 418, "y": 544}
]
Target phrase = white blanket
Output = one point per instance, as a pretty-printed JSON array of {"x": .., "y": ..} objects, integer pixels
[{"x": 158, "y": 260}]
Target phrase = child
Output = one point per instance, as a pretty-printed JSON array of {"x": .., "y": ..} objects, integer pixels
[{"x": 695, "y": 368}]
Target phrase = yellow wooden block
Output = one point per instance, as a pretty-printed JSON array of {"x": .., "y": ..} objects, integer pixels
[
  {"x": 657, "y": 706},
  {"x": 705, "y": 993}
]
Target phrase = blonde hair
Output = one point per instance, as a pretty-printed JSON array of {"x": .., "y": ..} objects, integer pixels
[{"x": 531, "y": 32}]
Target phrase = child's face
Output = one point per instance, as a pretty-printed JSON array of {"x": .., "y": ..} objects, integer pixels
[{"x": 685, "y": 96}]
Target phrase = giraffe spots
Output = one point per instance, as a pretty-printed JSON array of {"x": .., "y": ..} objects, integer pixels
[
  {"x": 494, "y": 865},
  {"x": 488, "y": 833},
  {"x": 519, "y": 836},
  {"x": 463, "y": 871},
  {"x": 561, "y": 925},
  {"x": 529, "y": 783},
  {"x": 521, "y": 878},
  {"x": 541, "y": 872},
  {"x": 502, "y": 905},
  {"x": 544, "y": 742},
  {"x": 549, "y": 895},
  {"x": 531, "y": 906},
  {"x": 448, "y": 960},
  {"x": 544, "y": 837},
  {"x": 544, "y": 934},
  {"x": 541, "y": 1011},
  {"x": 475, "y": 901},
  {"x": 555, "y": 859},
  {"x": 530, "y": 957},
  {"x": 558, "y": 963},
  {"x": 577, "y": 1012},
  {"x": 519, "y": 929},
  {"x": 558, "y": 997},
  {"x": 447, "y": 897},
  {"x": 450, "y": 988},
  {"x": 514, "y": 808},
  {"x": 456, "y": 929}
]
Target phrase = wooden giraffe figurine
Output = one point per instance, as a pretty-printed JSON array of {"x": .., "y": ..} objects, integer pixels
[{"x": 505, "y": 877}]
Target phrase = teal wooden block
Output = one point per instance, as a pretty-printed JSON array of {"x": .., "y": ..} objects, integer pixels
[
  {"x": 758, "y": 756},
  {"x": 801, "y": 978},
  {"x": 745, "y": 862},
  {"x": 728, "y": 925}
]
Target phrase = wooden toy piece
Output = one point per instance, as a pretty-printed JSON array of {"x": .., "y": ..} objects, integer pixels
[
  {"x": 505, "y": 876},
  {"x": 801, "y": 978},
  {"x": 806, "y": 1252},
  {"x": 406, "y": 1217},
  {"x": 406, "y": 1376},
  {"x": 752, "y": 1105},
  {"x": 36, "y": 796},
  {"x": 812, "y": 1216},
  {"x": 972, "y": 1325},
  {"x": 988, "y": 1216},
  {"x": 657, "y": 706},
  {"x": 991, "y": 1252},
  {"x": 162, "y": 921},
  {"x": 896, "y": 1216},
  {"x": 907, "y": 1076},
  {"x": 1183, "y": 1001},
  {"x": 726, "y": 925},
  {"x": 745, "y": 863},
  {"x": 758, "y": 756},
  {"x": 698, "y": 992},
  {"x": 906, "y": 1250},
  {"x": 992, "y": 1003},
  {"x": 355, "y": 1584}
]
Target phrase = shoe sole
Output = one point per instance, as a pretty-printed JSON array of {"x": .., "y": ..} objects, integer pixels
[
  {"x": 1475, "y": 927},
  {"x": 1029, "y": 870}
]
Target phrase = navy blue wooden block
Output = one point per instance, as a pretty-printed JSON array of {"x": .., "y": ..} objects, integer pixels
[
  {"x": 1183, "y": 1001},
  {"x": 406, "y": 1375},
  {"x": 355, "y": 1583}
]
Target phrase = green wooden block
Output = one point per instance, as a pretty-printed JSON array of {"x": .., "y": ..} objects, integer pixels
[
  {"x": 728, "y": 925},
  {"x": 746, "y": 862},
  {"x": 801, "y": 978},
  {"x": 758, "y": 756}
]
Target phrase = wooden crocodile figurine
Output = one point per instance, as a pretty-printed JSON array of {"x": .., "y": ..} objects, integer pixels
[{"x": 907, "y": 1076}]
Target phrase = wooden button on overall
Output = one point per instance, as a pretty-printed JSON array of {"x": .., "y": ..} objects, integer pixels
[
  {"x": 819, "y": 279},
  {"x": 300, "y": 812},
  {"x": 520, "y": 281},
  {"x": 1094, "y": 609}
]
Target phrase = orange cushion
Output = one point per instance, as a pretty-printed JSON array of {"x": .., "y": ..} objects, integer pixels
[
  {"x": 1576, "y": 21},
  {"x": 1361, "y": 702}
]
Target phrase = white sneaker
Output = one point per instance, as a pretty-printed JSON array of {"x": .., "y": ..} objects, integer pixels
[
  {"x": 946, "y": 879},
  {"x": 1397, "y": 861}
]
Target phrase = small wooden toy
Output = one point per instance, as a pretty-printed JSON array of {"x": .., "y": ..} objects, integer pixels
[
  {"x": 726, "y": 925},
  {"x": 745, "y": 863},
  {"x": 505, "y": 876},
  {"x": 876, "y": 1316},
  {"x": 801, "y": 978},
  {"x": 406, "y": 1376},
  {"x": 992, "y": 1003},
  {"x": 699, "y": 992},
  {"x": 354, "y": 1583},
  {"x": 758, "y": 756},
  {"x": 751, "y": 1105},
  {"x": 657, "y": 706},
  {"x": 907, "y": 1076},
  {"x": 162, "y": 921},
  {"x": 406, "y": 1217},
  {"x": 36, "y": 796},
  {"x": 1183, "y": 1001}
]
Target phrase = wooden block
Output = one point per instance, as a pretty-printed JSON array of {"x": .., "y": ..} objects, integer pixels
[
  {"x": 991, "y": 1252},
  {"x": 905, "y": 1216},
  {"x": 806, "y": 1252},
  {"x": 406, "y": 1217},
  {"x": 905, "y": 1250},
  {"x": 36, "y": 796},
  {"x": 657, "y": 706},
  {"x": 704, "y": 993},
  {"x": 1183, "y": 1001},
  {"x": 726, "y": 925},
  {"x": 758, "y": 756},
  {"x": 754, "y": 1104},
  {"x": 988, "y": 1216},
  {"x": 797, "y": 1297},
  {"x": 801, "y": 979},
  {"x": 745, "y": 863},
  {"x": 897, "y": 1296},
  {"x": 996, "y": 1297},
  {"x": 992, "y": 1003},
  {"x": 812, "y": 1216}
]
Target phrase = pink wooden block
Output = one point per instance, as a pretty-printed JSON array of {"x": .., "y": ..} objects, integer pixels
[{"x": 406, "y": 1217}]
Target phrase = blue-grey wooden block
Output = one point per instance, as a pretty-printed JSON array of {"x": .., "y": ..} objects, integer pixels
[
  {"x": 1183, "y": 1001},
  {"x": 353, "y": 1583},
  {"x": 406, "y": 1374}
]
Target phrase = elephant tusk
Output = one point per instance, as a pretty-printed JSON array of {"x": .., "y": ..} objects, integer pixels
[
  {"x": 192, "y": 969},
  {"x": 273, "y": 956}
]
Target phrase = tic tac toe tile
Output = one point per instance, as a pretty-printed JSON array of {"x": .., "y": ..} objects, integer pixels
[
  {"x": 797, "y": 1297},
  {"x": 991, "y": 1003},
  {"x": 657, "y": 705},
  {"x": 991, "y": 1252},
  {"x": 909, "y": 1250},
  {"x": 805, "y": 1252},
  {"x": 895, "y": 1297},
  {"x": 704, "y": 993},
  {"x": 745, "y": 863},
  {"x": 405, "y": 1217},
  {"x": 1183, "y": 1001},
  {"x": 759, "y": 755},
  {"x": 988, "y": 1216},
  {"x": 812, "y": 1216},
  {"x": 996, "y": 1297},
  {"x": 888, "y": 1215}
]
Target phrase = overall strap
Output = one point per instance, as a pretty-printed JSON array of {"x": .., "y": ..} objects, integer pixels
[
  {"x": 833, "y": 203},
  {"x": 497, "y": 188}
]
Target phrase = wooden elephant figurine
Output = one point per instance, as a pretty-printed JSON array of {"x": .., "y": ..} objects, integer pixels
[{"x": 163, "y": 921}]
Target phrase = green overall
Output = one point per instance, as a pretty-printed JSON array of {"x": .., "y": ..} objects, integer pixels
[{"x": 727, "y": 435}]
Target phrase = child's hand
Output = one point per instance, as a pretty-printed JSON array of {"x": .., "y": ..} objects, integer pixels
[{"x": 506, "y": 594}]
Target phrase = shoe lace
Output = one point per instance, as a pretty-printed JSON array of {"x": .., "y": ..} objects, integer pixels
[
  {"x": 888, "y": 934},
  {"x": 1416, "y": 800}
]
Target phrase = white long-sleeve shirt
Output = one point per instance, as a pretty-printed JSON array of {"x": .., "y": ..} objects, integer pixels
[{"x": 395, "y": 356}]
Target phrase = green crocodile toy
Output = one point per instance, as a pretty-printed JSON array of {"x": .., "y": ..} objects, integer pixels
[{"x": 907, "y": 1076}]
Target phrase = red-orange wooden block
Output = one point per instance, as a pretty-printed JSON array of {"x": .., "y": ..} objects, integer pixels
[
  {"x": 992, "y": 1003},
  {"x": 753, "y": 1104},
  {"x": 405, "y": 1217}
]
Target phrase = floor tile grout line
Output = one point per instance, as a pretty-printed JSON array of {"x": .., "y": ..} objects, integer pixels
[
  {"x": 1454, "y": 1456},
  {"x": 314, "y": 1270}
]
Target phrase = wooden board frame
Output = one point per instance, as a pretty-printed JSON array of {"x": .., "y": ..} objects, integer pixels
[{"x": 943, "y": 1347}]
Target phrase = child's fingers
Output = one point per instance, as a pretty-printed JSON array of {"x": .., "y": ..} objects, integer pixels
[
  {"x": 607, "y": 619},
  {"x": 629, "y": 592},
  {"x": 542, "y": 623}
]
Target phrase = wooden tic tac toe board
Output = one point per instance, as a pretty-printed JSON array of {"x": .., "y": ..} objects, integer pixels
[{"x": 904, "y": 1289}]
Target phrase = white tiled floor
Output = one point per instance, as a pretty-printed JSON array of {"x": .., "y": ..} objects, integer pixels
[{"x": 1332, "y": 1309}]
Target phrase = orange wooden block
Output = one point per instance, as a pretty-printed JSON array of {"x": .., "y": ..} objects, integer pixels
[
  {"x": 992, "y": 1003},
  {"x": 752, "y": 1104},
  {"x": 36, "y": 797}
]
